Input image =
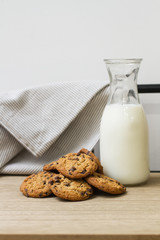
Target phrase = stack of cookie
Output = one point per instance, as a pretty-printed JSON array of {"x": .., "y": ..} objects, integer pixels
[{"x": 71, "y": 177}]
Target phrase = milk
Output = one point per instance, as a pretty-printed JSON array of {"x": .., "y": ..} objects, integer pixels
[{"x": 124, "y": 143}]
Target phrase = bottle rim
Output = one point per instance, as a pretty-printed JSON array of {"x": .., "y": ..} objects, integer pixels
[{"x": 123, "y": 61}]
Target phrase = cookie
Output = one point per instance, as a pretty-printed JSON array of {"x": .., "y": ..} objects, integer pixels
[
  {"x": 87, "y": 152},
  {"x": 105, "y": 183},
  {"x": 75, "y": 166},
  {"x": 36, "y": 185},
  {"x": 69, "y": 189}
]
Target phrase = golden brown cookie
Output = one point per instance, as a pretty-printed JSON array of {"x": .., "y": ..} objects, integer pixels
[
  {"x": 87, "y": 152},
  {"x": 105, "y": 183},
  {"x": 69, "y": 189},
  {"x": 74, "y": 166},
  {"x": 36, "y": 185}
]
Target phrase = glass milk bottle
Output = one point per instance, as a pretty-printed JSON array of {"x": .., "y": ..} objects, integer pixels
[{"x": 124, "y": 149}]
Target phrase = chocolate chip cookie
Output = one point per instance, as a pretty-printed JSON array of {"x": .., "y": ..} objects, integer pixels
[
  {"x": 75, "y": 166},
  {"x": 87, "y": 152},
  {"x": 105, "y": 183},
  {"x": 69, "y": 189},
  {"x": 36, "y": 185}
]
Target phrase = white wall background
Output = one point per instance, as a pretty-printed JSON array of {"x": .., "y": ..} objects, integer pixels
[
  {"x": 50, "y": 40},
  {"x": 42, "y": 41}
]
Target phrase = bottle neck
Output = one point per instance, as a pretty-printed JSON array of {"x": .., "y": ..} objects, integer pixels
[{"x": 123, "y": 82}]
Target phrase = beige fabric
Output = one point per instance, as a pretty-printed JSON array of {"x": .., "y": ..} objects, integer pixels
[{"x": 40, "y": 124}]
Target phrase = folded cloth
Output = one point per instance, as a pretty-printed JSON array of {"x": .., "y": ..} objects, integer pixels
[{"x": 40, "y": 124}]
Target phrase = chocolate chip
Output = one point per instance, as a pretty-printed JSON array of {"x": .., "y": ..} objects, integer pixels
[
  {"x": 66, "y": 184},
  {"x": 88, "y": 153},
  {"x": 44, "y": 182},
  {"x": 73, "y": 169},
  {"x": 63, "y": 157},
  {"x": 89, "y": 190},
  {"x": 84, "y": 171},
  {"x": 79, "y": 153},
  {"x": 40, "y": 195},
  {"x": 57, "y": 177},
  {"x": 84, "y": 193},
  {"x": 76, "y": 159},
  {"x": 51, "y": 182},
  {"x": 51, "y": 164},
  {"x": 26, "y": 190},
  {"x": 47, "y": 177},
  {"x": 57, "y": 181}
]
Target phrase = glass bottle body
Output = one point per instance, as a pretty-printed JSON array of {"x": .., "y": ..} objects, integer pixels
[{"x": 124, "y": 131}]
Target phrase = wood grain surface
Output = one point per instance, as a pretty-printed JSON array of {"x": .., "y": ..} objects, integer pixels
[{"x": 134, "y": 215}]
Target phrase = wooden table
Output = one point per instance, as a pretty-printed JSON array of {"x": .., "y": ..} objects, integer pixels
[{"x": 135, "y": 215}]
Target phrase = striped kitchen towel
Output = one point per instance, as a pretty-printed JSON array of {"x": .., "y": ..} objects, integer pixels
[{"x": 40, "y": 124}]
